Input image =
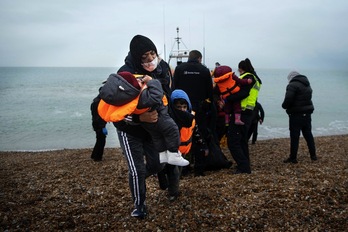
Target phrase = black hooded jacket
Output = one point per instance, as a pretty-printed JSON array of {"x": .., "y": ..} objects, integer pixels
[
  {"x": 298, "y": 96},
  {"x": 161, "y": 73}
]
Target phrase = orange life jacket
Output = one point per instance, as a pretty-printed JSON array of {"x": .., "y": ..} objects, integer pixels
[
  {"x": 186, "y": 138},
  {"x": 226, "y": 84},
  {"x": 112, "y": 113}
]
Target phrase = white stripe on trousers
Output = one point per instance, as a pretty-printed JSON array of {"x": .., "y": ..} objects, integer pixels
[{"x": 132, "y": 167}]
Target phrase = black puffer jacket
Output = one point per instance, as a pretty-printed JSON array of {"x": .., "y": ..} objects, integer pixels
[{"x": 298, "y": 96}]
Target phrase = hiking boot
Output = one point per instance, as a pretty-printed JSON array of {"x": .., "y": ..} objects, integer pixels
[
  {"x": 139, "y": 212},
  {"x": 314, "y": 158},
  {"x": 289, "y": 160},
  {"x": 175, "y": 158},
  {"x": 163, "y": 157}
]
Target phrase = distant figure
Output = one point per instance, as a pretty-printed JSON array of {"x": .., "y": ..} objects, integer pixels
[
  {"x": 100, "y": 130},
  {"x": 299, "y": 106},
  {"x": 258, "y": 117},
  {"x": 217, "y": 64}
]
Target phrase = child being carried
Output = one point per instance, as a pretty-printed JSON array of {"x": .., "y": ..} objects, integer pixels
[
  {"x": 229, "y": 83},
  {"x": 123, "y": 94}
]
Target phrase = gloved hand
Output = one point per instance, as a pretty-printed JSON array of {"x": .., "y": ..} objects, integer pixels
[{"x": 105, "y": 131}]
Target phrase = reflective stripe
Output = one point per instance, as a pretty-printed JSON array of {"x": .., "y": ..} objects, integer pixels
[{"x": 132, "y": 168}]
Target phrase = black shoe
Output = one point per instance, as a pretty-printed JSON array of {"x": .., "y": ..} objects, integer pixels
[
  {"x": 314, "y": 158},
  {"x": 199, "y": 174},
  {"x": 173, "y": 197},
  {"x": 289, "y": 160},
  {"x": 240, "y": 172},
  {"x": 139, "y": 212}
]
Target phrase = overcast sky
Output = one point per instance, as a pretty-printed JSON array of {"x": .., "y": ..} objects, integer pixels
[{"x": 96, "y": 33}]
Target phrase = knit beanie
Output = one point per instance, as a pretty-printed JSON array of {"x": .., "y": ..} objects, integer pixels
[
  {"x": 130, "y": 78},
  {"x": 139, "y": 45},
  {"x": 222, "y": 70},
  {"x": 292, "y": 75}
]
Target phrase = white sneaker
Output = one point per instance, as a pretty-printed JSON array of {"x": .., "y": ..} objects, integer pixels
[
  {"x": 175, "y": 158},
  {"x": 163, "y": 157}
]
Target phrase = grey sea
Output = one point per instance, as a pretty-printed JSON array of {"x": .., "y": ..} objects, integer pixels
[{"x": 49, "y": 108}]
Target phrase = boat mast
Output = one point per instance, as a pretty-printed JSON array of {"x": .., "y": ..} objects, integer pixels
[{"x": 178, "y": 54}]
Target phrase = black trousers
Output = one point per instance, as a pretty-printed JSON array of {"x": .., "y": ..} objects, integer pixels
[
  {"x": 301, "y": 123},
  {"x": 171, "y": 173},
  {"x": 237, "y": 140},
  {"x": 253, "y": 130},
  {"x": 98, "y": 150}
]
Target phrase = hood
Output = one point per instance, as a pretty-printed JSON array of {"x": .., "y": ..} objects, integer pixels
[
  {"x": 117, "y": 91},
  {"x": 178, "y": 93},
  {"x": 292, "y": 75},
  {"x": 302, "y": 79}
]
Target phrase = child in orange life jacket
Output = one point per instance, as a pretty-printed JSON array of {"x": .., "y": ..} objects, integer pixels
[
  {"x": 123, "y": 95},
  {"x": 180, "y": 110},
  {"x": 191, "y": 139},
  {"x": 229, "y": 83}
]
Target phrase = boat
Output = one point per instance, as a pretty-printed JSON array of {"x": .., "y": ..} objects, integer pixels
[{"x": 180, "y": 55}]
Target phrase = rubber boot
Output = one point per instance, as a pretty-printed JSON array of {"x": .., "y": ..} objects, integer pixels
[{"x": 237, "y": 120}]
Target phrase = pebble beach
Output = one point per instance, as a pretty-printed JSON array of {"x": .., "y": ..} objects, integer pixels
[{"x": 64, "y": 190}]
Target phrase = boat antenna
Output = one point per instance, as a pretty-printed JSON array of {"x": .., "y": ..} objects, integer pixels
[
  {"x": 178, "y": 54},
  {"x": 164, "y": 32}
]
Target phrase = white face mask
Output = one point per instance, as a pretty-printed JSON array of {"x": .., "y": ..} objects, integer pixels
[{"x": 150, "y": 66}]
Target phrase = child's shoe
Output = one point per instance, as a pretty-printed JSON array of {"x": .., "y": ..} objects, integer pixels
[
  {"x": 237, "y": 120},
  {"x": 175, "y": 158},
  {"x": 163, "y": 157}
]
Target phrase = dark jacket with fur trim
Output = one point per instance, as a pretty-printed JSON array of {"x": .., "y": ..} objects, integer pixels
[{"x": 298, "y": 96}]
